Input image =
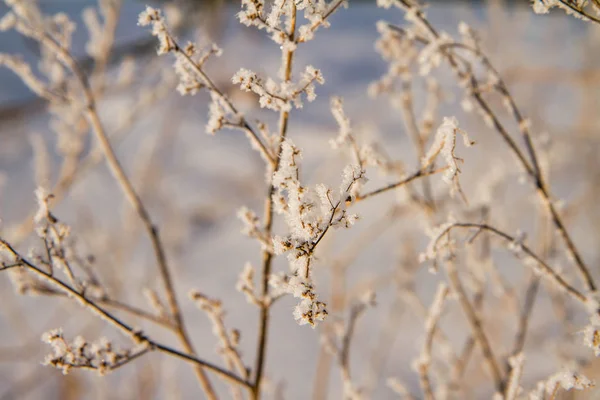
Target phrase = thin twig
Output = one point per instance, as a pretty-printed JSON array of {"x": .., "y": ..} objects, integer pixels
[
  {"x": 118, "y": 305},
  {"x": 133, "y": 333},
  {"x": 323, "y": 19},
  {"x": 119, "y": 174},
  {"x": 431, "y": 323},
  {"x": 111, "y": 303},
  {"x": 402, "y": 182},
  {"x": 579, "y": 11},
  {"x": 242, "y": 122},
  {"x": 533, "y": 168},
  {"x": 476, "y": 326},
  {"x": 530, "y": 296},
  {"x": 74, "y": 174},
  {"x": 410, "y": 124},
  {"x": 549, "y": 271},
  {"x": 344, "y": 354}
]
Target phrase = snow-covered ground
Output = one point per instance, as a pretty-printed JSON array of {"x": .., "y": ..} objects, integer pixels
[{"x": 195, "y": 183}]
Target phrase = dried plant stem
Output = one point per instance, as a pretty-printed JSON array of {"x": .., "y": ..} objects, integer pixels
[
  {"x": 109, "y": 30},
  {"x": 242, "y": 123},
  {"x": 412, "y": 301},
  {"x": 580, "y": 12},
  {"x": 332, "y": 8},
  {"x": 114, "y": 304},
  {"x": 558, "y": 222},
  {"x": 70, "y": 167},
  {"x": 267, "y": 255},
  {"x": 513, "y": 377},
  {"x": 431, "y": 323},
  {"x": 131, "y": 195},
  {"x": 546, "y": 243},
  {"x": 530, "y": 295},
  {"x": 549, "y": 272},
  {"x": 344, "y": 353},
  {"x": 133, "y": 333},
  {"x": 339, "y": 267},
  {"x": 476, "y": 325},
  {"x": 554, "y": 392},
  {"x": 228, "y": 350},
  {"x": 532, "y": 169},
  {"x": 157, "y": 245},
  {"x": 336, "y": 305},
  {"x": 117, "y": 305},
  {"x": 119, "y": 364},
  {"x": 460, "y": 363},
  {"x": 514, "y": 368},
  {"x": 420, "y": 173},
  {"x": 410, "y": 124},
  {"x": 75, "y": 171}
]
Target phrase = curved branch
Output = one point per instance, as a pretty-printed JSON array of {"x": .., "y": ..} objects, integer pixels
[
  {"x": 549, "y": 271},
  {"x": 531, "y": 167},
  {"x": 579, "y": 12},
  {"x": 420, "y": 173},
  {"x": 133, "y": 333}
]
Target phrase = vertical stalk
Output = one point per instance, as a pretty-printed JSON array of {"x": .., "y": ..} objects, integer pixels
[
  {"x": 267, "y": 255},
  {"x": 135, "y": 201},
  {"x": 476, "y": 326}
]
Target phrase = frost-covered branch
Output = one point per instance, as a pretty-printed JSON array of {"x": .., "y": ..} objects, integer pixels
[
  {"x": 444, "y": 144},
  {"x": 135, "y": 335},
  {"x": 567, "y": 379},
  {"x": 229, "y": 339},
  {"x": 79, "y": 354},
  {"x": 581, "y": 9},
  {"x": 58, "y": 44},
  {"x": 476, "y": 325},
  {"x": 531, "y": 260},
  {"x": 400, "y": 183},
  {"x": 309, "y": 214},
  {"x": 423, "y": 31},
  {"x": 189, "y": 66}
]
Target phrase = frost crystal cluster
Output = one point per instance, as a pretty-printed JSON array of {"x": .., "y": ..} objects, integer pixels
[
  {"x": 99, "y": 356},
  {"x": 279, "y": 97},
  {"x": 308, "y": 213}
]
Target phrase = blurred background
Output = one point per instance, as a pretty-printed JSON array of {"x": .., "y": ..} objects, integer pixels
[{"x": 194, "y": 184}]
